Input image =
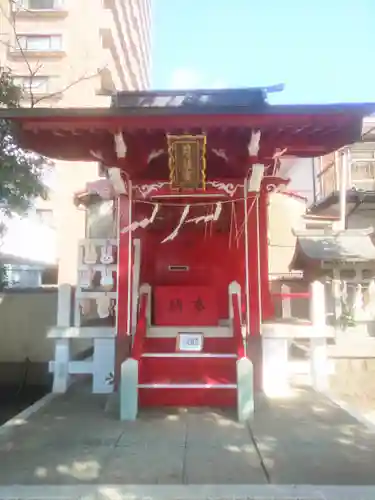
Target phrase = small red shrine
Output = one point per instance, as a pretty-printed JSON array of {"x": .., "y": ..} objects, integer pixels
[{"x": 191, "y": 172}]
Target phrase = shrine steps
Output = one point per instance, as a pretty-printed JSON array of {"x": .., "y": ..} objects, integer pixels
[
  {"x": 169, "y": 368},
  {"x": 188, "y": 395},
  {"x": 211, "y": 345},
  {"x": 170, "y": 378}
]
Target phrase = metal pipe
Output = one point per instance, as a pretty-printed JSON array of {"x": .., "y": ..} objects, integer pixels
[
  {"x": 130, "y": 251},
  {"x": 313, "y": 165},
  {"x": 258, "y": 265},
  {"x": 247, "y": 281},
  {"x": 343, "y": 189}
]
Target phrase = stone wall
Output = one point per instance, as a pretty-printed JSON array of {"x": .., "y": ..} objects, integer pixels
[
  {"x": 25, "y": 350},
  {"x": 354, "y": 381}
]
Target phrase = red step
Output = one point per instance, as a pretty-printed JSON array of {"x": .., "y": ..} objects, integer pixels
[
  {"x": 210, "y": 344},
  {"x": 180, "y": 395},
  {"x": 187, "y": 368}
]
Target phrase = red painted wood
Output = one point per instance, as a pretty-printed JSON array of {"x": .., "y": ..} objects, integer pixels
[
  {"x": 220, "y": 398},
  {"x": 141, "y": 330},
  {"x": 188, "y": 370},
  {"x": 210, "y": 345},
  {"x": 185, "y": 305},
  {"x": 211, "y": 260},
  {"x": 280, "y": 117}
]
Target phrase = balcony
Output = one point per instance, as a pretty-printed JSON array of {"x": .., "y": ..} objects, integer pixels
[
  {"x": 360, "y": 184},
  {"x": 361, "y": 170}
]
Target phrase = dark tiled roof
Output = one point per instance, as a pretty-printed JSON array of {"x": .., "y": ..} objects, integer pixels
[
  {"x": 255, "y": 98},
  {"x": 350, "y": 245}
]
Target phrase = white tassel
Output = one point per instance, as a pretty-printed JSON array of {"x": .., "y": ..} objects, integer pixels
[
  {"x": 118, "y": 184},
  {"x": 221, "y": 154},
  {"x": 210, "y": 217},
  {"x": 253, "y": 147},
  {"x": 97, "y": 155},
  {"x": 143, "y": 223},
  {"x": 256, "y": 177},
  {"x": 173, "y": 235},
  {"x": 154, "y": 154},
  {"x": 120, "y": 145}
]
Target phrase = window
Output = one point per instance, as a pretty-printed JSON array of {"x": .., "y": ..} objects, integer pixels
[
  {"x": 40, "y": 43},
  {"x": 35, "y": 84},
  {"x": 41, "y": 4},
  {"x": 23, "y": 277},
  {"x": 49, "y": 276}
]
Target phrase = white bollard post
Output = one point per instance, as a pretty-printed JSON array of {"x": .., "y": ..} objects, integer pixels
[
  {"x": 318, "y": 342},
  {"x": 286, "y": 303},
  {"x": 62, "y": 345},
  {"x": 319, "y": 364},
  {"x": 318, "y": 307},
  {"x": 103, "y": 365},
  {"x": 275, "y": 367}
]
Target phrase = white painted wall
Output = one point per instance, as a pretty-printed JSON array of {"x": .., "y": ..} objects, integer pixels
[{"x": 284, "y": 214}]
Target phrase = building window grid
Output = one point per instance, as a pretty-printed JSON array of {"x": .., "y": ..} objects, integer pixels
[
  {"x": 40, "y": 43},
  {"x": 41, "y": 4},
  {"x": 36, "y": 84}
]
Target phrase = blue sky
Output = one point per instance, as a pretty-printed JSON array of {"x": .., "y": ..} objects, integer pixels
[{"x": 322, "y": 50}]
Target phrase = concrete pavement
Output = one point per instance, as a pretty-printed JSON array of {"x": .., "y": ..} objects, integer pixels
[{"x": 73, "y": 442}]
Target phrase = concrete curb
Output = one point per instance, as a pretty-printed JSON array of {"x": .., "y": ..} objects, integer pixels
[
  {"x": 367, "y": 420},
  {"x": 201, "y": 492},
  {"x": 21, "y": 417}
]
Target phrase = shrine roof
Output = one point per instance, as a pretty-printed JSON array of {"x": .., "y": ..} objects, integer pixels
[
  {"x": 346, "y": 246},
  {"x": 228, "y": 116},
  {"x": 153, "y": 109}
]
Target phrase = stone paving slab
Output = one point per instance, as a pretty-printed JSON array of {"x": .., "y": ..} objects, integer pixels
[
  {"x": 74, "y": 442},
  {"x": 196, "y": 492},
  {"x": 309, "y": 440}
]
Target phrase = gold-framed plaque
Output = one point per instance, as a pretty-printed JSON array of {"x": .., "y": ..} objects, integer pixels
[{"x": 187, "y": 161}]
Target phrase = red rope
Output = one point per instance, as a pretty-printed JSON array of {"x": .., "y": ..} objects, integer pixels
[{"x": 293, "y": 295}]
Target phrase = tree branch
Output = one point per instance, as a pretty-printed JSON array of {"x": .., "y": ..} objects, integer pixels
[
  {"x": 11, "y": 16},
  {"x": 69, "y": 86},
  {"x": 14, "y": 9}
]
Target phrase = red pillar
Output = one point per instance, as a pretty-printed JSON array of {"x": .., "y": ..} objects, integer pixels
[{"x": 123, "y": 338}]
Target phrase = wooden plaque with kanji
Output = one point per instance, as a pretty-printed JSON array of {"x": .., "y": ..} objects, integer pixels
[{"x": 187, "y": 161}]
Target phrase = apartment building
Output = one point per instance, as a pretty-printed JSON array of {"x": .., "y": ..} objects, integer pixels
[
  {"x": 74, "y": 53},
  {"x": 351, "y": 171}
]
